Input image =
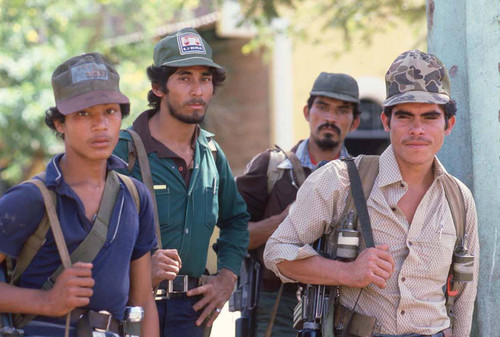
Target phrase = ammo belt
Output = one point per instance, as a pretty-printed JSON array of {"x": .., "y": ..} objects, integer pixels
[
  {"x": 177, "y": 287},
  {"x": 97, "y": 320}
]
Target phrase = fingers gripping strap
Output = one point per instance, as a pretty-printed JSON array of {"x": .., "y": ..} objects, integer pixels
[
  {"x": 360, "y": 203},
  {"x": 147, "y": 178}
]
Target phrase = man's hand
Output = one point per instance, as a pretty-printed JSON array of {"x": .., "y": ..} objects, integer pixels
[
  {"x": 373, "y": 265},
  {"x": 72, "y": 289},
  {"x": 215, "y": 293},
  {"x": 165, "y": 265}
]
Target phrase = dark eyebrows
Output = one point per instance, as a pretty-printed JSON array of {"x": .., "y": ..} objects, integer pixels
[{"x": 404, "y": 113}]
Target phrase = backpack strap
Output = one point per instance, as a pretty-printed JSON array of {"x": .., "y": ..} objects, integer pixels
[
  {"x": 147, "y": 178},
  {"x": 129, "y": 184},
  {"x": 50, "y": 209},
  {"x": 90, "y": 246},
  {"x": 274, "y": 174},
  {"x": 456, "y": 202}
]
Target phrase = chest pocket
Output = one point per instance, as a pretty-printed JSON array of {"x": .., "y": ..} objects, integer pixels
[{"x": 211, "y": 194}]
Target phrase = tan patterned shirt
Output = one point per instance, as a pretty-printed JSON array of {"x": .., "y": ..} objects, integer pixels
[{"x": 413, "y": 301}]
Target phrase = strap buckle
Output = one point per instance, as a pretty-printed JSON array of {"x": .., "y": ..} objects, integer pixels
[
  {"x": 449, "y": 287},
  {"x": 178, "y": 285}
]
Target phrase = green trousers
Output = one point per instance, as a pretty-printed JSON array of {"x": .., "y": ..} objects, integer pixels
[{"x": 283, "y": 324}]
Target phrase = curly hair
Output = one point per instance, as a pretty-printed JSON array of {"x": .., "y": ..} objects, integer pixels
[{"x": 159, "y": 76}]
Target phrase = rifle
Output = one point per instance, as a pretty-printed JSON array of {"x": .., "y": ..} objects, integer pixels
[
  {"x": 245, "y": 297},
  {"x": 7, "y": 328},
  {"x": 309, "y": 313}
]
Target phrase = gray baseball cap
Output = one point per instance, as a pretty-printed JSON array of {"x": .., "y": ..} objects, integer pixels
[
  {"x": 417, "y": 77},
  {"x": 183, "y": 48},
  {"x": 87, "y": 80},
  {"x": 338, "y": 86}
]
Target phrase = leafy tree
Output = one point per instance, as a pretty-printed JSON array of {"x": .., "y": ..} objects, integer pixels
[{"x": 37, "y": 35}]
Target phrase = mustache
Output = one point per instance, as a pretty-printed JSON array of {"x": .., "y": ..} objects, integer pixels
[
  {"x": 331, "y": 126},
  {"x": 417, "y": 140},
  {"x": 196, "y": 101}
]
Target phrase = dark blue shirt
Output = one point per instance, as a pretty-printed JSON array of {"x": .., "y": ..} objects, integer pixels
[{"x": 130, "y": 235}]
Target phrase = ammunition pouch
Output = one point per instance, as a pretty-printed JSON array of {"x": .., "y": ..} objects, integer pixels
[{"x": 358, "y": 326}]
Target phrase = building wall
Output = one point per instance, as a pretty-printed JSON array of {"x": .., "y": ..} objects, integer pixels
[{"x": 239, "y": 112}]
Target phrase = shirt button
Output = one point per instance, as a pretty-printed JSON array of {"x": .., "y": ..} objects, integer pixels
[
  {"x": 403, "y": 312},
  {"x": 410, "y": 243},
  {"x": 403, "y": 279},
  {"x": 181, "y": 168},
  {"x": 186, "y": 231}
]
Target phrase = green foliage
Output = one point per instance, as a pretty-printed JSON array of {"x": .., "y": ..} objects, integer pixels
[{"x": 38, "y": 35}]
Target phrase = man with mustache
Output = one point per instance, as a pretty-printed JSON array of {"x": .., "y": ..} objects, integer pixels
[
  {"x": 332, "y": 111},
  {"x": 405, "y": 276},
  {"x": 193, "y": 186}
]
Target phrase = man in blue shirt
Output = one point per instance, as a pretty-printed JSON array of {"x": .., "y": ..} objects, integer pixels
[{"x": 87, "y": 116}]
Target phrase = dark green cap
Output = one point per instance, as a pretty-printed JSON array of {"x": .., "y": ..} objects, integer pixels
[
  {"x": 417, "y": 77},
  {"x": 338, "y": 86},
  {"x": 182, "y": 49},
  {"x": 87, "y": 80}
]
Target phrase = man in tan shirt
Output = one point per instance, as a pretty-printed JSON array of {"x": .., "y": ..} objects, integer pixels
[{"x": 404, "y": 274}]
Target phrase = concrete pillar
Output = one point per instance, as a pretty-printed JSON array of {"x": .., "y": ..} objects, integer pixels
[{"x": 465, "y": 35}]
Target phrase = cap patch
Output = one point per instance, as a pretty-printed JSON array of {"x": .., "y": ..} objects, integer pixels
[
  {"x": 190, "y": 43},
  {"x": 89, "y": 71}
]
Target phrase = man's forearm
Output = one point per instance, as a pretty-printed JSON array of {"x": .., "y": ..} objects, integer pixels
[
  {"x": 314, "y": 270},
  {"x": 260, "y": 231}
]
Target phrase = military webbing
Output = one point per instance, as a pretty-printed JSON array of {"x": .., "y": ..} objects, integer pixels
[
  {"x": 147, "y": 179},
  {"x": 59, "y": 239},
  {"x": 300, "y": 175},
  {"x": 91, "y": 245},
  {"x": 273, "y": 173}
]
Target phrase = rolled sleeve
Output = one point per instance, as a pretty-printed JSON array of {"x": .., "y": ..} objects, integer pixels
[{"x": 309, "y": 218}]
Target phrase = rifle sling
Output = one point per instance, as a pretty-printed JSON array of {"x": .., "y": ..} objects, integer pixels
[
  {"x": 147, "y": 178},
  {"x": 360, "y": 203}
]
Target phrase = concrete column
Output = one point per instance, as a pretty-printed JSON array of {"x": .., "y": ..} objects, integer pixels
[{"x": 465, "y": 35}]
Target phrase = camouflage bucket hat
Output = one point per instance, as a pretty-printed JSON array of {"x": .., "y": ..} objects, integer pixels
[
  {"x": 338, "y": 86},
  {"x": 182, "y": 49},
  {"x": 87, "y": 80},
  {"x": 417, "y": 77}
]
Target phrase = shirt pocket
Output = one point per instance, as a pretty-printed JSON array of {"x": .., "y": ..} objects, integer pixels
[
  {"x": 162, "y": 194},
  {"x": 212, "y": 204}
]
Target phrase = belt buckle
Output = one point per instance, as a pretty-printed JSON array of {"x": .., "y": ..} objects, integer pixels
[{"x": 178, "y": 285}]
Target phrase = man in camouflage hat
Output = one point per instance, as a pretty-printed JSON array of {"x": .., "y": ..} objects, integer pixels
[
  {"x": 193, "y": 186},
  {"x": 405, "y": 277}
]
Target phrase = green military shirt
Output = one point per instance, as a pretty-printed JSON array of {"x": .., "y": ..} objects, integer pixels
[{"x": 188, "y": 213}]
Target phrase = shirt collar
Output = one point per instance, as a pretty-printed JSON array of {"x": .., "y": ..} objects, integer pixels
[
  {"x": 302, "y": 154},
  {"x": 389, "y": 168},
  {"x": 54, "y": 177}
]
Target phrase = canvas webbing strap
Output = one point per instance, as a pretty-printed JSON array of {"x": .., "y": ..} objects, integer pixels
[
  {"x": 58, "y": 237},
  {"x": 358, "y": 195},
  {"x": 147, "y": 179},
  {"x": 133, "y": 190},
  {"x": 91, "y": 245}
]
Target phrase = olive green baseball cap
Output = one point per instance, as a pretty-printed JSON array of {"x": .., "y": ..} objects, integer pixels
[
  {"x": 183, "y": 48},
  {"x": 417, "y": 77},
  {"x": 87, "y": 80},
  {"x": 338, "y": 86}
]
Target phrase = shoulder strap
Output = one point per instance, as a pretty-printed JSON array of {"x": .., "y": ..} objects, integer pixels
[
  {"x": 456, "y": 202},
  {"x": 58, "y": 237},
  {"x": 274, "y": 174},
  {"x": 129, "y": 184},
  {"x": 298, "y": 170},
  {"x": 147, "y": 178},
  {"x": 362, "y": 182},
  {"x": 213, "y": 148}
]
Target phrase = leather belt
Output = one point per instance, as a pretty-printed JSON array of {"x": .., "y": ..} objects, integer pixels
[
  {"x": 177, "y": 287},
  {"x": 444, "y": 333},
  {"x": 97, "y": 320}
]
